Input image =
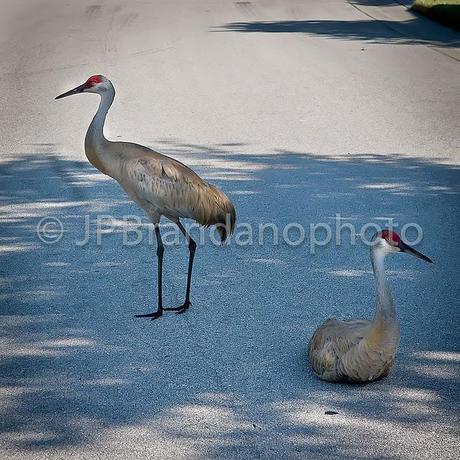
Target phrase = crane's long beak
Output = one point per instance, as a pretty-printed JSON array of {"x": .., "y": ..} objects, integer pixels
[
  {"x": 409, "y": 249},
  {"x": 76, "y": 90}
]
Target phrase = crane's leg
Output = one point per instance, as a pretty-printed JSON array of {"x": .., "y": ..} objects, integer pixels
[
  {"x": 160, "y": 252},
  {"x": 191, "y": 247}
]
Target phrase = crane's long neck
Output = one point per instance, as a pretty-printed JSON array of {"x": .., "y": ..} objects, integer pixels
[
  {"x": 385, "y": 324},
  {"x": 96, "y": 145}
]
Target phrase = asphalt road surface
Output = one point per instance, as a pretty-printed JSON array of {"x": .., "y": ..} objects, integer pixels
[{"x": 299, "y": 110}]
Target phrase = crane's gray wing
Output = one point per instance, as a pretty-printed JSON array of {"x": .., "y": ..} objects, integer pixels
[
  {"x": 177, "y": 191},
  {"x": 331, "y": 341}
]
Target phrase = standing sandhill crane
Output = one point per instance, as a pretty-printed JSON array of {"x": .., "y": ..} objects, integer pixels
[
  {"x": 160, "y": 185},
  {"x": 359, "y": 350}
]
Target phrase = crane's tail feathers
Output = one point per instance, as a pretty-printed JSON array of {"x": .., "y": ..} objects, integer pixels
[
  {"x": 223, "y": 214},
  {"x": 215, "y": 208},
  {"x": 225, "y": 228}
]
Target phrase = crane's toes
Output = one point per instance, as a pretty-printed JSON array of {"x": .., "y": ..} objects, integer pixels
[
  {"x": 152, "y": 316},
  {"x": 181, "y": 309}
]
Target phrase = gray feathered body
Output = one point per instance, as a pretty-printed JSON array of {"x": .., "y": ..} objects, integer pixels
[
  {"x": 163, "y": 186},
  {"x": 352, "y": 350}
]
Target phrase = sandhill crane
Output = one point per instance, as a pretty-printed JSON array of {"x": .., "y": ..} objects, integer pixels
[
  {"x": 359, "y": 350},
  {"x": 160, "y": 185}
]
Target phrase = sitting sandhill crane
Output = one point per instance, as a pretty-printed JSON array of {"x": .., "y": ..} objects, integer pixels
[
  {"x": 359, "y": 350},
  {"x": 160, "y": 185}
]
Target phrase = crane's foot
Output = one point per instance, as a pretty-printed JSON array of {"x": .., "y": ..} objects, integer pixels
[
  {"x": 181, "y": 309},
  {"x": 152, "y": 316}
]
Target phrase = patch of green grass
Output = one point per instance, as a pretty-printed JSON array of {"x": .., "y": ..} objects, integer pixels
[{"x": 446, "y": 12}]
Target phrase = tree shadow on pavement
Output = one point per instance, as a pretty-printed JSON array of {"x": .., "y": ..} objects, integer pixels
[
  {"x": 418, "y": 30},
  {"x": 380, "y": 3},
  {"x": 229, "y": 379}
]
